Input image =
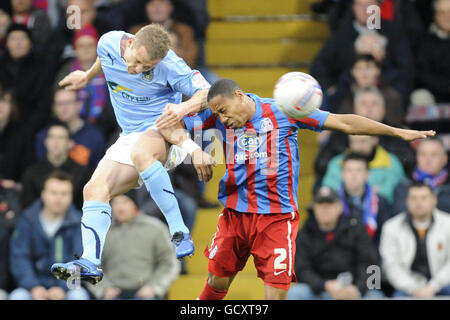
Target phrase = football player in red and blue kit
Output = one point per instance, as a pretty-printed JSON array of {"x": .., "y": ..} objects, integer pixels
[{"x": 259, "y": 189}]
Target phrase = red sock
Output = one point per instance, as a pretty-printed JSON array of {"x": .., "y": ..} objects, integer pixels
[{"x": 209, "y": 293}]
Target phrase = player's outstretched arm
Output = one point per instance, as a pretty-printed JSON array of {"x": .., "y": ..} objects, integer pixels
[
  {"x": 358, "y": 125},
  {"x": 173, "y": 113},
  {"x": 79, "y": 79}
]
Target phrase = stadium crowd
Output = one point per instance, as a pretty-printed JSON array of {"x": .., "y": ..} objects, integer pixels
[{"x": 378, "y": 201}]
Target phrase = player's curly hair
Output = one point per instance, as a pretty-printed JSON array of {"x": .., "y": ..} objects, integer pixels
[{"x": 155, "y": 39}]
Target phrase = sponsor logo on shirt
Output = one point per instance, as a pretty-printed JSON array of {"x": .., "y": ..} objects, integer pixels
[{"x": 123, "y": 91}]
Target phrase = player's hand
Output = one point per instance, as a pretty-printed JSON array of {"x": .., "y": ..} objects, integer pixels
[
  {"x": 111, "y": 293},
  {"x": 171, "y": 115},
  {"x": 39, "y": 293},
  {"x": 203, "y": 163},
  {"x": 411, "y": 135},
  {"x": 56, "y": 293},
  {"x": 146, "y": 292},
  {"x": 75, "y": 80}
]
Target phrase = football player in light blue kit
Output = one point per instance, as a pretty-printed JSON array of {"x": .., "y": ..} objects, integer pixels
[{"x": 146, "y": 82}]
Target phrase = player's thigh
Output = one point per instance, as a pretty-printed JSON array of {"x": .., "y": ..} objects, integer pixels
[
  {"x": 110, "y": 179},
  {"x": 274, "y": 248},
  {"x": 150, "y": 147}
]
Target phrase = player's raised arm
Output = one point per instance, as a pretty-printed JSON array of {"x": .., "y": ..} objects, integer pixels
[
  {"x": 79, "y": 79},
  {"x": 358, "y": 125}
]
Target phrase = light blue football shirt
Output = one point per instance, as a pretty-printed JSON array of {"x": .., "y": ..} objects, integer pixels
[{"x": 138, "y": 99}]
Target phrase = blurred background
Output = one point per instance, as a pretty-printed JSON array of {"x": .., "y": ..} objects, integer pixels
[{"x": 397, "y": 73}]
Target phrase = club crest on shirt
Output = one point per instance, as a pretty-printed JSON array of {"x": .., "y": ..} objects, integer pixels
[
  {"x": 147, "y": 75},
  {"x": 266, "y": 125}
]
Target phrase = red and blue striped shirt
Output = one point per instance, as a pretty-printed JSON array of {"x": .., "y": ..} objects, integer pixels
[{"x": 262, "y": 159}]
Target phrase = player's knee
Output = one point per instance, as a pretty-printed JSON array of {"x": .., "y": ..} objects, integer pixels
[
  {"x": 93, "y": 191},
  {"x": 142, "y": 157},
  {"x": 219, "y": 283}
]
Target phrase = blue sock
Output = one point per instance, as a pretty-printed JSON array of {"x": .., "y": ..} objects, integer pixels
[
  {"x": 94, "y": 227},
  {"x": 158, "y": 184}
]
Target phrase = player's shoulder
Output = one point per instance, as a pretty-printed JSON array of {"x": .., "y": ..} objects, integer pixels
[
  {"x": 109, "y": 43},
  {"x": 272, "y": 112},
  {"x": 110, "y": 37},
  {"x": 172, "y": 63}
]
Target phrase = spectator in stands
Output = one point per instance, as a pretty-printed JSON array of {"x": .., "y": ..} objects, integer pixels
[
  {"x": 338, "y": 52},
  {"x": 4, "y": 267},
  {"x": 142, "y": 242},
  {"x": 433, "y": 57},
  {"x": 27, "y": 75},
  {"x": 23, "y": 12},
  {"x": 88, "y": 142},
  {"x": 432, "y": 169},
  {"x": 376, "y": 44},
  {"x": 48, "y": 232},
  {"x": 368, "y": 103},
  {"x": 89, "y": 16},
  {"x": 359, "y": 199},
  {"x": 95, "y": 95},
  {"x": 58, "y": 145},
  {"x": 5, "y": 21},
  {"x": 386, "y": 170},
  {"x": 160, "y": 11},
  {"x": 15, "y": 151},
  {"x": 331, "y": 247},
  {"x": 184, "y": 40},
  {"x": 415, "y": 247},
  {"x": 365, "y": 74}
]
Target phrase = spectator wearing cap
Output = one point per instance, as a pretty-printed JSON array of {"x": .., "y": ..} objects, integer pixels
[
  {"x": 433, "y": 58},
  {"x": 359, "y": 199},
  {"x": 88, "y": 143},
  {"x": 333, "y": 254},
  {"x": 143, "y": 242},
  {"x": 386, "y": 171},
  {"x": 96, "y": 108},
  {"x": 27, "y": 75},
  {"x": 432, "y": 169},
  {"x": 415, "y": 247},
  {"x": 23, "y": 12}
]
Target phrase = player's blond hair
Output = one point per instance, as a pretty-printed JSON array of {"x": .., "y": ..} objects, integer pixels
[{"x": 155, "y": 39}]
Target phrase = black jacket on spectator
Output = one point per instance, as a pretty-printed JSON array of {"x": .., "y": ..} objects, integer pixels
[
  {"x": 34, "y": 178},
  {"x": 4, "y": 253},
  {"x": 16, "y": 151},
  {"x": 401, "y": 191},
  {"x": 347, "y": 249},
  {"x": 10, "y": 208},
  {"x": 338, "y": 53},
  {"x": 338, "y": 143},
  {"x": 29, "y": 78},
  {"x": 433, "y": 64}
]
